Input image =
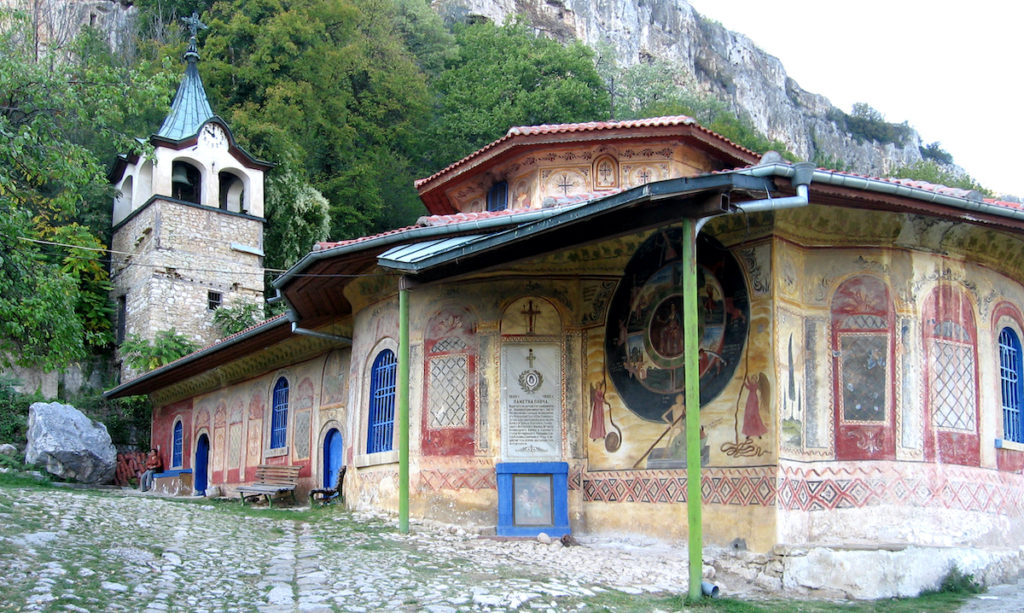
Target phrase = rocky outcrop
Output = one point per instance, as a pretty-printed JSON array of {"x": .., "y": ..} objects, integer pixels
[
  {"x": 69, "y": 444},
  {"x": 57, "y": 22},
  {"x": 721, "y": 62}
]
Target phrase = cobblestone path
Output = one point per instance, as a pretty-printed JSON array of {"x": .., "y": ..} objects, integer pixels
[{"x": 107, "y": 551}]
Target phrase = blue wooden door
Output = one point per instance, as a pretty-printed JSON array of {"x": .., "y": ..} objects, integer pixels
[
  {"x": 202, "y": 461},
  {"x": 332, "y": 458}
]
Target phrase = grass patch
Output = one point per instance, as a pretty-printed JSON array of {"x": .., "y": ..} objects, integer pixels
[
  {"x": 17, "y": 474},
  {"x": 957, "y": 582},
  {"x": 618, "y": 602}
]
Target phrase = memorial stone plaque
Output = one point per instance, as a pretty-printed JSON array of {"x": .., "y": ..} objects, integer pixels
[{"x": 531, "y": 401}]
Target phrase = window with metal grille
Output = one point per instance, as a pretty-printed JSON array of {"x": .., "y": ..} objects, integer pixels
[
  {"x": 381, "y": 424},
  {"x": 177, "y": 444},
  {"x": 213, "y": 300},
  {"x": 279, "y": 415},
  {"x": 1011, "y": 380}
]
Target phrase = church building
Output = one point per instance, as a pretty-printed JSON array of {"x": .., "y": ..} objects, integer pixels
[{"x": 858, "y": 342}]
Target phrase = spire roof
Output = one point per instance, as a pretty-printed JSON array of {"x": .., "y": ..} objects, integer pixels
[{"x": 191, "y": 108}]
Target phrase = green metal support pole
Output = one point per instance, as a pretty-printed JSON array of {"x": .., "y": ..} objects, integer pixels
[
  {"x": 692, "y": 379},
  {"x": 403, "y": 406}
]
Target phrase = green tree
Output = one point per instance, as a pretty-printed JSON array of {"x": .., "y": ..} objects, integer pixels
[
  {"x": 297, "y": 217},
  {"x": 867, "y": 123},
  {"x": 329, "y": 82},
  {"x": 504, "y": 76},
  {"x": 54, "y": 117},
  {"x": 659, "y": 87},
  {"x": 232, "y": 320},
  {"x": 931, "y": 171},
  {"x": 167, "y": 346}
]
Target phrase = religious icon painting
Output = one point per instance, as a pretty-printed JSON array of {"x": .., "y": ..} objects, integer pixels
[
  {"x": 532, "y": 503},
  {"x": 644, "y": 331}
]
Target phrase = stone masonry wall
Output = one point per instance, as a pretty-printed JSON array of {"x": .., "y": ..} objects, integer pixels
[{"x": 180, "y": 253}]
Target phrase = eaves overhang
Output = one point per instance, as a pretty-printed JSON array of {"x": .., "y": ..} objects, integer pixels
[
  {"x": 640, "y": 208},
  {"x": 258, "y": 337}
]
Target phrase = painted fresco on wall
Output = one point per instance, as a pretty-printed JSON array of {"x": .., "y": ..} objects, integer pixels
[
  {"x": 643, "y": 351},
  {"x": 334, "y": 384},
  {"x": 789, "y": 355},
  {"x": 952, "y": 383},
  {"x": 862, "y": 350},
  {"x": 644, "y": 334},
  {"x": 449, "y": 376}
]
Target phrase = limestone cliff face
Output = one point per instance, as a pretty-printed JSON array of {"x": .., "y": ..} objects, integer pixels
[
  {"x": 57, "y": 22},
  {"x": 722, "y": 62}
]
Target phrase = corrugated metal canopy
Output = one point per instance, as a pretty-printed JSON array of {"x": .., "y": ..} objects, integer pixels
[{"x": 406, "y": 257}]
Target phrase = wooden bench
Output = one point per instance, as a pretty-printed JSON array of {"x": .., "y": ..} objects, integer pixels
[
  {"x": 325, "y": 495},
  {"x": 271, "y": 481}
]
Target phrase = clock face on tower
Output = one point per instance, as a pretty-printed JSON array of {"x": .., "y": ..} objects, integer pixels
[{"x": 213, "y": 136}]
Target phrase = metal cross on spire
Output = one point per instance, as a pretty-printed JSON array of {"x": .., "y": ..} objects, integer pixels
[{"x": 194, "y": 25}]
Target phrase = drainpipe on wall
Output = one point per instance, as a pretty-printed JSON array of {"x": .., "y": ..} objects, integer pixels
[
  {"x": 403, "y": 404},
  {"x": 293, "y": 317},
  {"x": 800, "y": 175}
]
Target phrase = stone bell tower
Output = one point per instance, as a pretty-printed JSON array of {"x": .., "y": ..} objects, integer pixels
[{"x": 187, "y": 221}]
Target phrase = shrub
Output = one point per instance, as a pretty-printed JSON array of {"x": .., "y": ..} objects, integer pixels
[
  {"x": 13, "y": 413},
  {"x": 957, "y": 582},
  {"x": 167, "y": 346}
]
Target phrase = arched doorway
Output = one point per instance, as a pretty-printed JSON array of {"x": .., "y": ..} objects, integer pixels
[
  {"x": 202, "y": 463},
  {"x": 332, "y": 458}
]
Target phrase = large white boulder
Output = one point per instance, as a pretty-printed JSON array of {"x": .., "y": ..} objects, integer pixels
[{"x": 69, "y": 444}]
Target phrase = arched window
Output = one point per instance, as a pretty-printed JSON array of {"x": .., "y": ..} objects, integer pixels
[
  {"x": 177, "y": 444},
  {"x": 1011, "y": 383},
  {"x": 381, "y": 424},
  {"x": 186, "y": 182},
  {"x": 123, "y": 200},
  {"x": 232, "y": 192},
  {"x": 279, "y": 415},
  {"x": 497, "y": 197}
]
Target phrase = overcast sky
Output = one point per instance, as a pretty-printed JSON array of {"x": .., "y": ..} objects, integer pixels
[{"x": 953, "y": 70}]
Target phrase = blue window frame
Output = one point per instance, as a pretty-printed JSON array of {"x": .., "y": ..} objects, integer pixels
[
  {"x": 177, "y": 444},
  {"x": 279, "y": 415},
  {"x": 1011, "y": 381},
  {"x": 381, "y": 426},
  {"x": 497, "y": 197}
]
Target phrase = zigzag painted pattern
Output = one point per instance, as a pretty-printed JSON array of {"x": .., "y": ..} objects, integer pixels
[
  {"x": 900, "y": 483},
  {"x": 729, "y": 486},
  {"x": 458, "y": 479}
]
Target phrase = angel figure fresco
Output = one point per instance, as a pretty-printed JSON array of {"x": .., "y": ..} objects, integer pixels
[{"x": 758, "y": 388}]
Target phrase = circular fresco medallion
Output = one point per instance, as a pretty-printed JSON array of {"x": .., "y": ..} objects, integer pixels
[{"x": 644, "y": 333}]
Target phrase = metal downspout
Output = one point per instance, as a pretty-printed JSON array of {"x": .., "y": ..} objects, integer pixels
[
  {"x": 801, "y": 175},
  {"x": 293, "y": 317}
]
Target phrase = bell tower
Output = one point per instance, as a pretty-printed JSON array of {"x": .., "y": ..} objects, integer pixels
[{"x": 187, "y": 221}]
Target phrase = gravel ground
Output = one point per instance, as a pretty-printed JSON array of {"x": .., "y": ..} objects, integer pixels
[
  {"x": 73, "y": 550},
  {"x": 87, "y": 551}
]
